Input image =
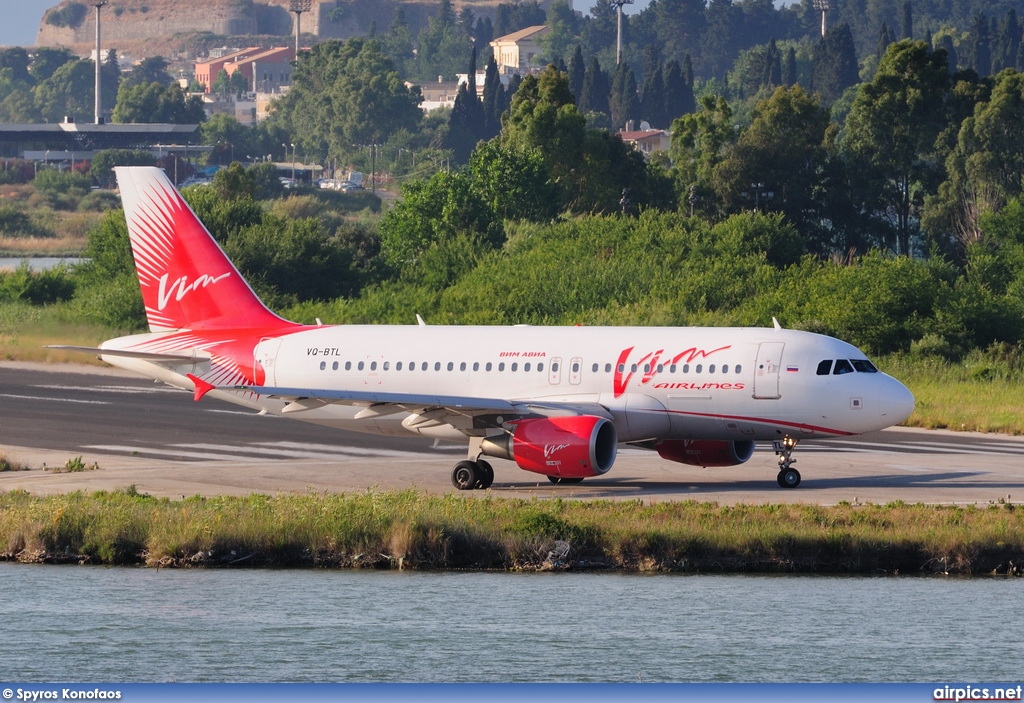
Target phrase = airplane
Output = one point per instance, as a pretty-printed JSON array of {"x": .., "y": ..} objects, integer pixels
[{"x": 557, "y": 401}]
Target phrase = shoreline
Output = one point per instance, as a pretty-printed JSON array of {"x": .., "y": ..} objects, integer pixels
[{"x": 410, "y": 530}]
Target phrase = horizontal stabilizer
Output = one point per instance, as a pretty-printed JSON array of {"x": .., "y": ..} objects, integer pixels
[{"x": 145, "y": 356}]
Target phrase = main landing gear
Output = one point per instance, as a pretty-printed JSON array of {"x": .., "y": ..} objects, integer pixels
[
  {"x": 469, "y": 475},
  {"x": 788, "y": 477}
]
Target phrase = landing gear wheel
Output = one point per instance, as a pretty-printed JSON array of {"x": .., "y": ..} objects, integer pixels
[
  {"x": 485, "y": 475},
  {"x": 789, "y": 478},
  {"x": 465, "y": 475},
  {"x": 559, "y": 479}
]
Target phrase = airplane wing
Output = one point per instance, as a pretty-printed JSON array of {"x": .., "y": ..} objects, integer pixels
[{"x": 458, "y": 411}]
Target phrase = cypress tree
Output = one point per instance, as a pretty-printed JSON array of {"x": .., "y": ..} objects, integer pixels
[
  {"x": 653, "y": 99},
  {"x": 907, "y": 30},
  {"x": 493, "y": 100},
  {"x": 789, "y": 72},
  {"x": 577, "y": 69},
  {"x": 594, "y": 97},
  {"x": 679, "y": 98},
  {"x": 623, "y": 101}
]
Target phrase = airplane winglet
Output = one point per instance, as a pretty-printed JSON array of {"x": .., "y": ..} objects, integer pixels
[{"x": 201, "y": 387}]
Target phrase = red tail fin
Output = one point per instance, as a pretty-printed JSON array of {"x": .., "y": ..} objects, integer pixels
[{"x": 187, "y": 280}]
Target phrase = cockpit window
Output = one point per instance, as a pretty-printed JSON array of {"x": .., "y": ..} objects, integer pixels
[
  {"x": 842, "y": 366},
  {"x": 864, "y": 366},
  {"x": 825, "y": 367}
]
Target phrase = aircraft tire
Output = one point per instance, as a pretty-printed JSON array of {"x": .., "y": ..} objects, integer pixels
[
  {"x": 789, "y": 478},
  {"x": 465, "y": 475},
  {"x": 485, "y": 475}
]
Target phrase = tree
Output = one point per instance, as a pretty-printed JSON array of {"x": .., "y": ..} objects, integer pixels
[
  {"x": 466, "y": 124},
  {"x": 68, "y": 92},
  {"x": 786, "y": 149},
  {"x": 515, "y": 184},
  {"x": 679, "y": 98},
  {"x": 699, "y": 141},
  {"x": 231, "y": 140},
  {"x": 101, "y": 167},
  {"x": 624, "y": 101},
  {"x": 345, "y": 94},
  {"x": 892, "y": 128},
  {"x": 152, "y": 69},
  {"x": 494, "y": 101},
  {"x": 577, "y": 71},
  {"x": 596, "y": 88},
  {"x": 432, "y": 213},
  {"x": 835, "y": 63},
  {"x": 156, "y": 103}
]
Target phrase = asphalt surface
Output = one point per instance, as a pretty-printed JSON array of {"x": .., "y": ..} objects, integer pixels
[{"x": 156, "y": 438}]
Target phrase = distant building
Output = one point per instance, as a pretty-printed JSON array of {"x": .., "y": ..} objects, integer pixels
[
  {"x": 647, "y": 141},
  {"x": 515, "y": 52},
  {"x": 265, "y": 70}
]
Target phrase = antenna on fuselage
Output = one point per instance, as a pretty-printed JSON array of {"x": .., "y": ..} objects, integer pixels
[
  {"x": 419, "y": 321},
  {"x": 775, "y": 323}
]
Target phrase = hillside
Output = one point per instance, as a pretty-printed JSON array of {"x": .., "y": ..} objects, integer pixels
[{"x": 165, "y": 26}]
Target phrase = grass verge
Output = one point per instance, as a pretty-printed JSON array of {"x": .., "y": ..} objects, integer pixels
[{"x": 415, "y": 531}]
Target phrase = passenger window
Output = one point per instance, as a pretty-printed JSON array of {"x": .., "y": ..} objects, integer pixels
[
  {"x": 462, "y": 366},
  {"x": 398, "y": 366},
  {"x": 476, "y": 365},
  {"x": 633, "y": 368},
  {"x": 576, "y": 367},
  {"x": 334, "y": 366},
  {"x": 323, "y": 365},
  {"x": 686, "y": 368},
  {"x": 451, "y": 365},
  {"x": 515, "y": 366},
  {"x": 738, "y": 369},
  {"x": 554, "y": 367},
  {"x": 361, "y": 365},
  {"x": 423, "y": 366},
  {"x": 437, "y": 366},
  {"x": 647, "y": 368},
  {"x": 672, "y": 368},
  {"x": 594, "y": 368},
  {"x": 699, "y": 368},
  {"x": 387, "y": 365},
  {"x": 825, "y": 367},
  {"x": 725, "y": 368},
  {"x": 661, "y": 368},
  {"x": 711, "y": 369},
  {"x": 864, "y": 366},
  {"x": 373, "y": 366},
  {"x": 842, "y": 366},
  {"x": 526, "y": 366},
  {"x": 501, "y": 366},
  {"x": 540, "y": 367},
  {"x": 622, "y": 367},
  {"x": 488, "y": 366},
  {"x": 607, "y": 368}
]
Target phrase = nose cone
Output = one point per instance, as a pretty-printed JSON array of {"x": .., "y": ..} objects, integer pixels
[{"x": 896, "y": 402}]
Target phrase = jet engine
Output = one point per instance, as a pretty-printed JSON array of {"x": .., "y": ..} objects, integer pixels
[
  {"x": 706, "y": 452},
  {"x": 564, "y": 447}
]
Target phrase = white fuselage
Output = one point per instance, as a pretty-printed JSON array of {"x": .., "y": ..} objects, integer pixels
[{"x": 656, "y": 383}]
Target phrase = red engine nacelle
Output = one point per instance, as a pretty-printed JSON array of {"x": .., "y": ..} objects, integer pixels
[
  {"x": 706, "y": 452},
  {"x": 566, "y": 447}
]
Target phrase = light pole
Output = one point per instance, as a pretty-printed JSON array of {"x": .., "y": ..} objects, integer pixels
[
  {"x": 97, "y": 103},
  {"x": 293, "y": 162},
  {"x": 823, "y": 6},
  {"x": 758, "y": 191},
  {"x": 298, "y": 7},
  {"x": 618, "y": 41}
]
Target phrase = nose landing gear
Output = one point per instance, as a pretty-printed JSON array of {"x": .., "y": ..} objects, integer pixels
[{"x": 788, "y": 477}]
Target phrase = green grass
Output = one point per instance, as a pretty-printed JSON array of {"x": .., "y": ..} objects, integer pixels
[{"x": 415, "y": 531}]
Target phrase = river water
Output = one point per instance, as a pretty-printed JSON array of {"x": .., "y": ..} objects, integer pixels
[{"x": 68, "y": 623}]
